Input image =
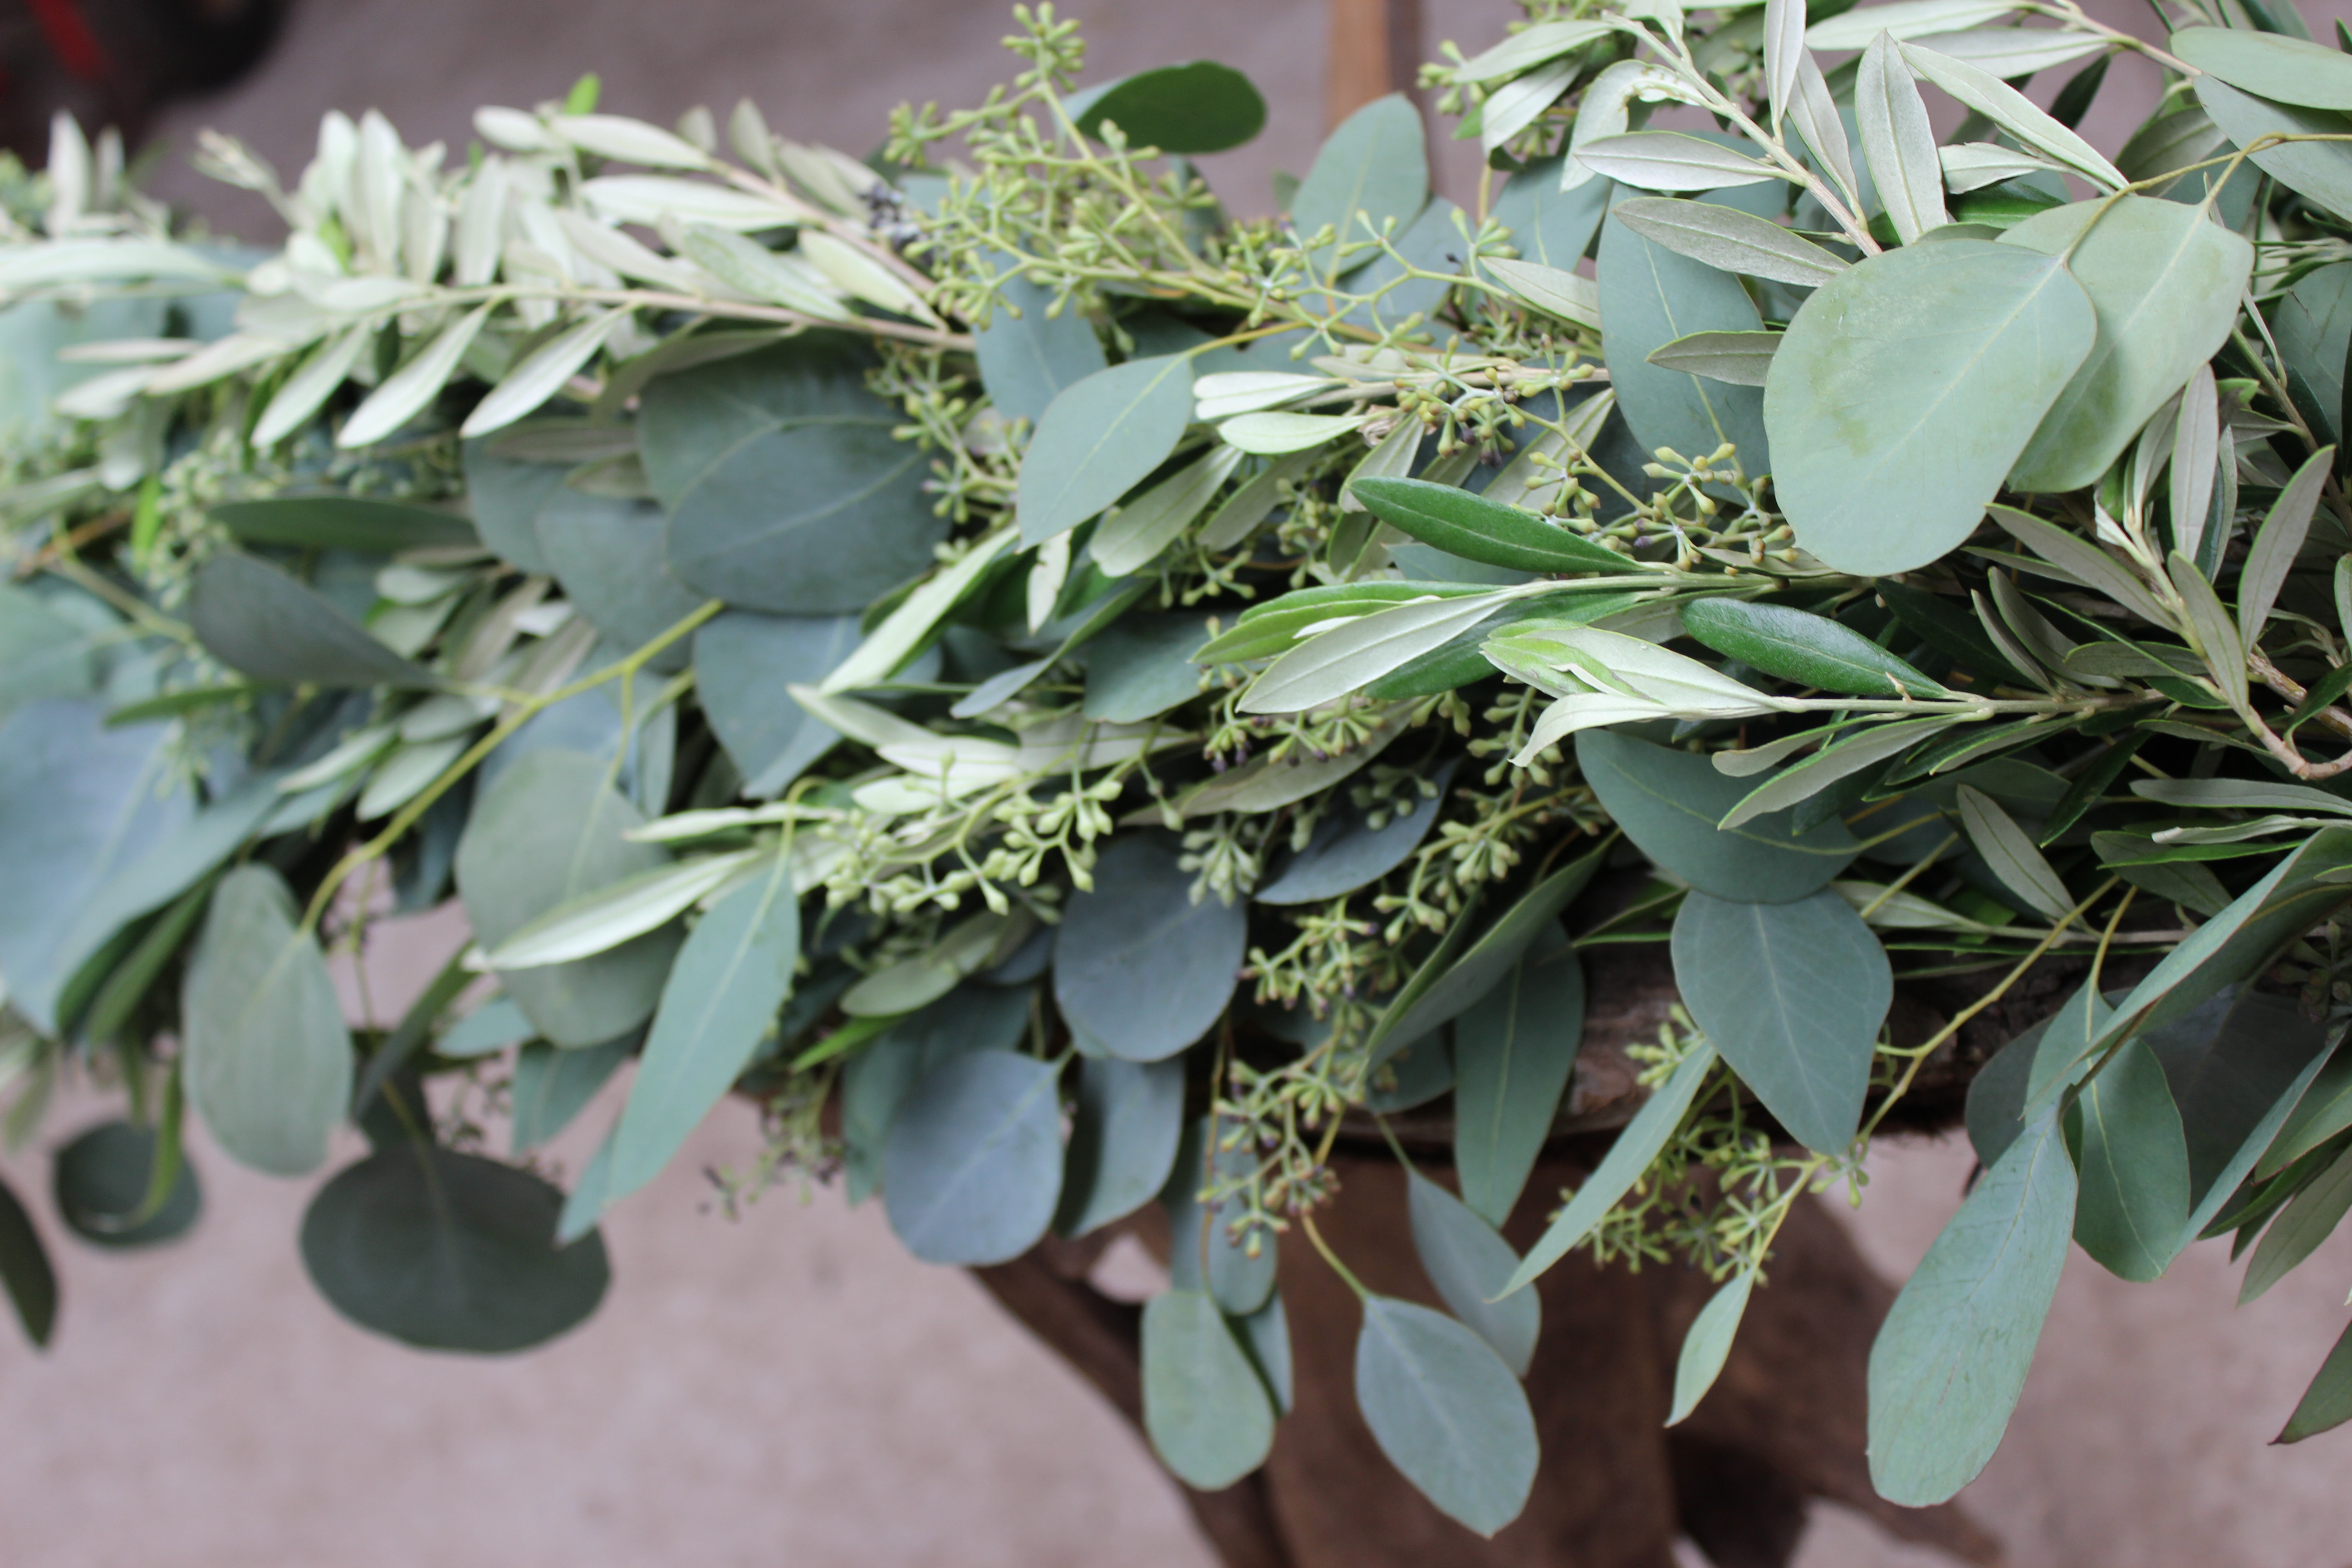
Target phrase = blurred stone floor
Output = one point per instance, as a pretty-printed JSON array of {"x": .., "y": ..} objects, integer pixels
[{"x": 792, "y": 1388}]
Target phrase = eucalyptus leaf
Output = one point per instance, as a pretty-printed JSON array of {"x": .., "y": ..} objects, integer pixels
[
  {"x": 362, "y": 523},
  {"x": 26, "y": 1272},
  {"x": 973, "y": 1170},
  {"x": 2309, "y": 1218},
  {"x": 2321, "y": 169},
  {"x": 1198, "y": 107},
  {"x": 1207, "y": 1414},
  {"x": 1140, "y": 666},
  {"x": 264, "y": 624},
  {"x": 1027, "y": 353},
  {"x": 103, "y": 1181},
  {"x": 1098, "y": 438},
  {"x": 1649, "y": 296},
  {"x": 1347, "y": 852},
  {"x": 1138, "y": 965},
  {"x": 552, "y": 1085},
  {"x": 1373, "y": 169},
  {"x": 1446, "y": 1410},
  {"x": 1668, "y": 803},
  {"x": 1551, "y": 227},
  {"x": 741, "y": 661},
  {"x": 2134, "y": 1167},
  {"x": 1514, "y": 1052},
  {"x": 1469, "y": 1262},
  {"x": 1128, "y": 1120},
  {"x": 1708, "y": 1344},
  {"x": 2289, "y": 70}
]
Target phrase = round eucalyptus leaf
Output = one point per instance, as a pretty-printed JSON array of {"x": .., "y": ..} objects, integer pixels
[
  {"x": 1413, "y": 1075},
  {"x": 99, "y": 1182},
  {"x": 1205, "y": 1408},
  {"x": 1123, "y": 1140},
  {"x": 1027, "y": 355},
  {"x": 1514, "y": 1053},
  {"x": 505, "y": 495},
  {"x": 1447, "y": 1412},
  {"x": 743, "y": 663},
  {"x": 607, "y": 552},
  {"x": 1347, "y": 852},
  {"x": 262, "y": 623},
  {"x": 1203, "y": 1252},
  {"x": 1470, "y": 1263},
  {"x": 972, "y": 1170},
  {"x": 1101, "y": 438},
  {"x": 1668, "y": 802},
  {"x": 448, "y": 1251},
  {"x": 1792, "y": 995},
  {"x": 1139, "y": 965},
  {"x": 786, "y": 488},
  {"x": 1373, "y": 170},
  {"x": 1142, "y": 665},
  {"x": 1197, "y": 107}
]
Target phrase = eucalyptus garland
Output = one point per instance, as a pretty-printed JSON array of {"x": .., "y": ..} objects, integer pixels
[{"x": 1070, "y": 698}]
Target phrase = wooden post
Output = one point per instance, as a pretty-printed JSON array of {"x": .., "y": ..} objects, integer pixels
[{"x": 1376, "y": 49}]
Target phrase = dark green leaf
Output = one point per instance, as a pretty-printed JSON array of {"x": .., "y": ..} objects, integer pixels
[
  {"x": 1099, "y": 439},
  {"x": 1142, "y": 665},
  {"x": 550, "y": 829},
  {"x": 1446, "y": 1410},
  {"x": 2324, "y": 1110},
  {"x": 448, "y": 1251},
  {"x": 1944, "y": 626},
  {"x": 2237, "y": 1066},
  {"x": 2312, "y": 324},
  {"x": 1347, "y": 853},
  {"x": 1809, "y": 649},
  {"x": 1123, "y": 1136},
  {"x": 1197, "y": 107},
  {"x": 261, "y": 623},
  {"x": 360, "y": 523},
  {"x": 552, "y": 1086},
  {"x": 1470, "y": 1263},
  {"x": 25, "y": 1272},
  {"x": 1514, "y": 1051},
  {"x": 1372, "y": 171},
  {"x": 1905, "y": 389},
  {"x": 972, "y": 1170},
  {"x": 786, "y": 488},
  {"x": 102, "y": 1182},
  {"x": 1476, "y": 529},
  {"x": 1649, "y": 296},
  {"x": 268, "y": 1057},
  {"x": 1668, "y": 802},
  {"x": 1951, "y": 1358},
  {"x": 743, "y": 664},
  {"x": 2308, "y": 1219},
  {"x": 1205, "y": 1409},
  {"x": 1139, "y": 965},
  {"x": 1792, "y": 994},
  {"x": 2134, "y": 1167},
  {"x": 2328, "y": 1403}
]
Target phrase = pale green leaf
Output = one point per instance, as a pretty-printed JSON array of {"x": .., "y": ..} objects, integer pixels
[
  {"x": 1206, "y": 1411},
  {"x": 1897, "y": 142},
  {"x": 1730, "y": 240}
]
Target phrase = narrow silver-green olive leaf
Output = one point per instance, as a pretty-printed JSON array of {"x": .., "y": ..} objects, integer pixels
[
  {"x": 269, "y": 1057},
  {"x": 404, "y": 393},
  {"x": 1905, "y": 390},
  {"x": 1904, "y": 19},
  {"x": 1649, "y": 296},
  {"x": 1842, "y": 760},
  {"x": 543, "y": 374},
  {"x": 1124, "y": 1133},
  {"x": 1349, "y": 656},
  {"x": 2134, "y": 1167},
  {"x": 1737, "y": 358},
  {"x": 972, "y": 1170},
  {"x": 1627, "y": 1158},
  {"x": 2270, "y": 65},
  {"x": 905, "y": 628},
  {"x": 1098, "y": 438},
  {"x": 1669, "y": 802},
  {"x": 630, "y": 140},
  {"x": 1973, "y": 165},
  {"x": 2084, "y": 561},
  {"x": 2165, "y": 280},
  {"x": 1784, "y": 53},
  {"x": 1951, "y": 1358},
  {"x": 310, "y": 385},
  {"x": 604, "y": 918},
  {"x": 1206, "y": 1411},
  {"x": 1514, "y": 1051},
  {"x": 1134, "y": 535},
  {"x": 1523, "y": 51},
  {"x": 1803, "y": 647},
  {"x": 1372, "y": 171},
  {"x": 1138, "y": 964},
  {"x": 1708, "y": 1344},
  {"x": 2009, "y": 850},
  {"x": 2279, "y": 543},
  {"x": 24, "y": 1270},
  {"x": 1447, "y": 1412},
  {"x": 2323, "y": 1112},
  {"x": 1469, "y": 1262},
  {"x": 1670, "y": 161},
  {"x": 1607, "y": 109},
  {"x": 1897, "y": 142},
  {"x": 2195, "y": 448},
  {"x": 2007, "y": 54},
  {"x": 2211, "y": 629},
  {"x": 262, "y": 623},
  {"x": 1520, "y": 103},
  {"x": 2309, "y": 1218},
  {"x": 1730, "y": 240},
  {"x": 1477, "y": 529},
  {"x": 448, "y": 1251},
  {"x": 2011, "y": 109},
  {"x": 2321, "y": 169},
  {"x": 1815, "y": 114},
  {"x": 1554, "y": 290},
  {"x": 1792, "y": 995},
  {"x": 719, "y": 1004},
  {"x": 1274, "y": 626}
]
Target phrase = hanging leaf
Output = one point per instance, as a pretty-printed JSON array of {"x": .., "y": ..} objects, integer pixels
[
  {"x": 1469, "y": 1263},
  {"x": 269, "y": 1060},
  {"x": 403, "y": 395},
  {"x": 1793, "y": 996},
  {"x": 1707, "y": 1345},
  {"x": 2164, "y": 280},
  {"x": 1139, "y": 965},
  {"x": 1205, "y": 1408},
  {"x": 1984, "y": 92},
  {"x": 1265, "y": 1335},
  {"x": 1447, "y": 1412},
  {"x": 2309, "y": 1218},
  {"x": 785, "y": 489},
  {"x": 104, "y": 1184},
  {"x": 1514, "y": 1052},
  {"x": 1854, "y": 29},
  {"x": 1629, "y": 1158},
  {"x": 2237, "y": 1066},
  {"x": 1132, "y": 537},
  {"x": 1951, "y": 1358},
  {"x": 1194, "y": 107},
  {"x": 552, "y": 1086},
  {"x": 1123, "y": 1136},
  {"x": 259, "y": 621},
  {"x": 1905, "y": 389},
  {"x": 2278, "y": 544},
  {"x": 2134, "y": 1167},
  {"x": 1897, "y": 142},
  {"x": 2009, "y": 850},
  {"x": 2328, "y": 1403},
  {"x": 1668, "y": 803},
  {"x": 973, "y": 1170},
  {"x": 718, "y": 1003},
  {"x": 448, "y": 1251},
  {"x": 1670, "y": 161},
  {"x": 1649, "y": 296},
  {"x": 25, "y": 1271},
  {"x": 541, "y": 375},
  {"x": 1476, "y": 529},
  {"x": 1372, "y": 171},
  {"x": 1098, "y": 439},
  {"x": 549, "y": 829},
  {"x": 1204, "y": 1252}
]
